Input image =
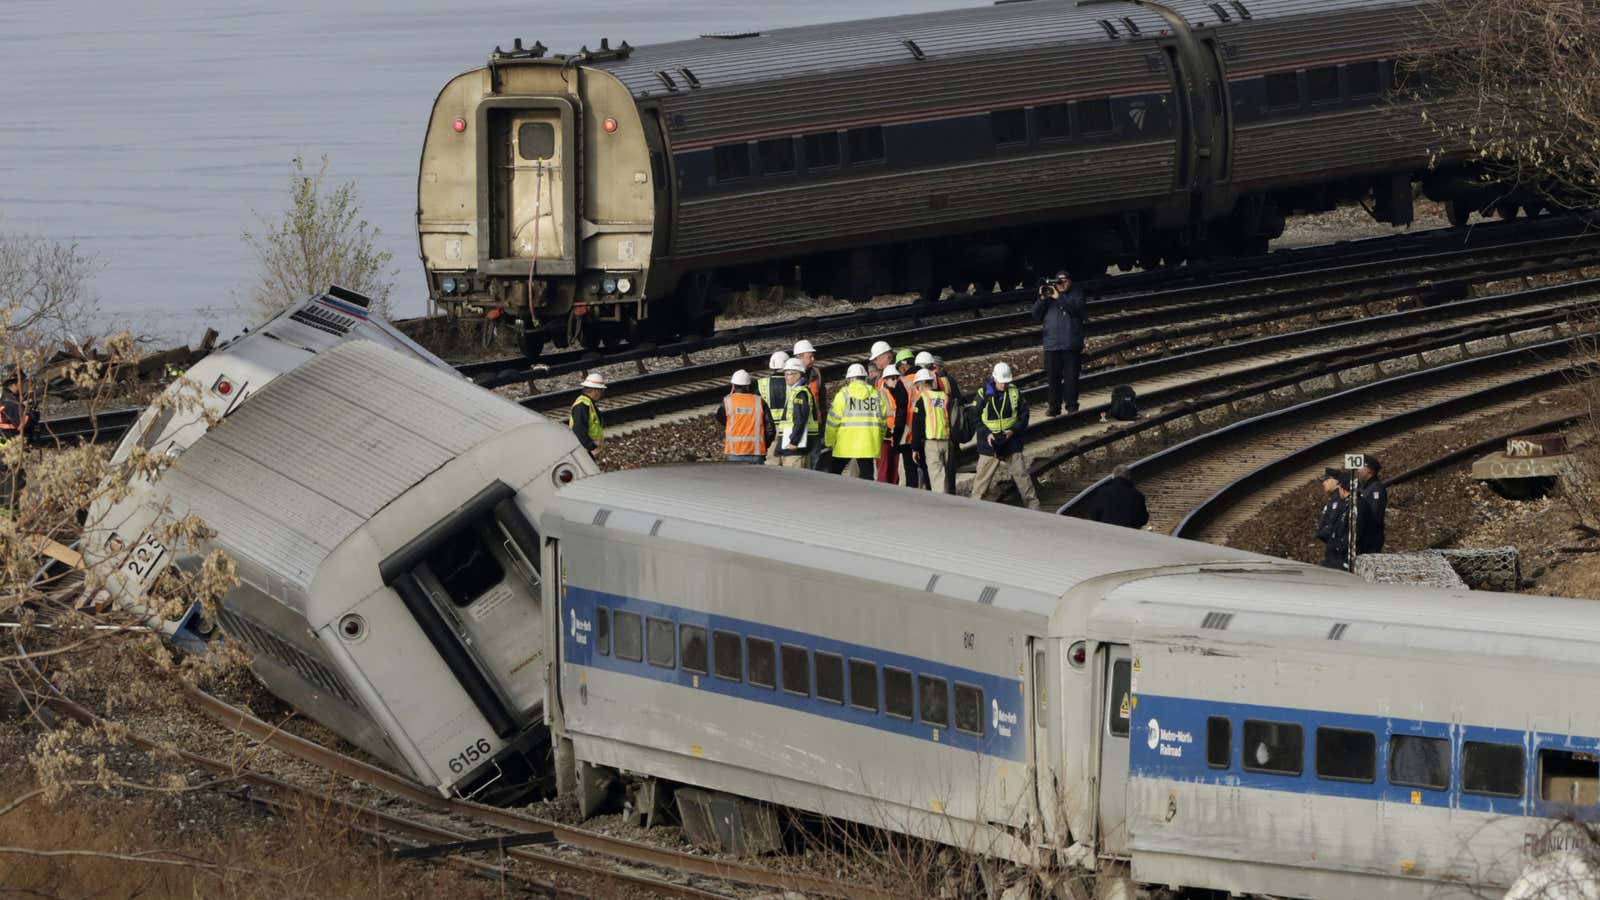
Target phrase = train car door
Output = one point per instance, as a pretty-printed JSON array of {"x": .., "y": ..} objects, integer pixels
[
  {"x": 1115, "y": 718},
  {"x": 537, "y": 192}
]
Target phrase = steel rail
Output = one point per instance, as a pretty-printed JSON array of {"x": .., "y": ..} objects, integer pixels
[{"x": 241, "y": 722}]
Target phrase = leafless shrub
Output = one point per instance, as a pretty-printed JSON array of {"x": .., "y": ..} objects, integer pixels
[
  {"x": 1528, "y": 79},
  {"x": 320, "y": 239},
  {"x": 44, "y": 289}
]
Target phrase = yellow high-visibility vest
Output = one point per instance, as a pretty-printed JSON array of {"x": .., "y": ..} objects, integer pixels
[
  {"x": 995, "y": 418},
  {"x": 935, "y": 408},
  {"x": 596, "y": 433}
]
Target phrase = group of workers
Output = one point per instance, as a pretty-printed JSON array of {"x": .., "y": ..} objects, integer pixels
[{"x": 1370, "y": 503}]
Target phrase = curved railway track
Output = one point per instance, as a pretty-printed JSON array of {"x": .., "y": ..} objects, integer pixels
[{"x": 1184, "y": 483}]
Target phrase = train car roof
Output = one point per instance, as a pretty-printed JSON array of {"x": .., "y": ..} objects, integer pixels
[
  {"x": 1282, "y": 609},
  {"x": 952, "y": 546},
  {"x": 756, "y": 56},
  {"x": 288, "y": 476}
]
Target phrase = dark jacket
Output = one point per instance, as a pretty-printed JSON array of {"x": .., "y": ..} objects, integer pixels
[
  {"x": 768, "y": 428},
  {"x": 1370, "y": 511},
  {"x": 802, "y": 416},
  {"x": 1333, "y": 530},
  {"x": 1063, "y": 319},
  {"x": 989, "y": 397},
  {"x": 1117, "y": 502}
]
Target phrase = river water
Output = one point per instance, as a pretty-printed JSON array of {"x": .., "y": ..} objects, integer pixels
[{"x": 152, "y": 133}]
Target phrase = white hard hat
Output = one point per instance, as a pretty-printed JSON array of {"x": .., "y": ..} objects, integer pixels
[
  {"x": 879, "y": 349},
  {"x": 794, "y": 365},
  {"x": 741, "y": 378},
  {"x": 924, "y": 359},
  {"x": 890, "y": 372},
  {"x": 1002, "y": 373},
  {"x": 803, "y": 347},
  {"x": 923, "y": 375},
  {"x": 777, "y": 360},
  {"x": 856, "y": 370},
  {"x": 594, "y": 380}
]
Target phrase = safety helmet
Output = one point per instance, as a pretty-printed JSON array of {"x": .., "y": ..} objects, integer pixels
[
  {"x": 794, "y": 365},
  {"x": 803, "y": 347},
  {"x": 924, "y": 359},
  {"x": 1002, "y": 373},
  {"x": 594, "y": 380},
  {"x": 903, "y": 356},
  {"x": 879, "y": 348},
  {"x": 741, "y": 378},
  {"x": 890, "y": 372},
  {"x": 856, "y": 370},
  {"x": 923, "y": 375},
  {"x": 777, "y": 360}
]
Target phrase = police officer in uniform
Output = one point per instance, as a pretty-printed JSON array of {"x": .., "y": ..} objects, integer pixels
[
  {"x": 584, "y": 420},
  {"x": 1333, "y": 527},
  {"x": 1371, "y": 508}
]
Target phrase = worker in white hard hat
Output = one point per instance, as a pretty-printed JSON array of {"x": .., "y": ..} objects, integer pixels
[
  {"x": 795, "y": 421},
  {"x": 772, "y": 389},
  {"x": 880, "y": 356},
  {"x": 584, "y": 420},
  {"x": 930, "y": 430},
  {"x": 807, "y": 354},
  {"x": 856, "y": 425},
  {"x": 1002, "y": 420},
  {"x": 746, "y": 427}
]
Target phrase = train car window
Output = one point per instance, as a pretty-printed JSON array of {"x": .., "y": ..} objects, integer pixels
[
  {"x": 659, "y": 644},
  {"x": 536, "y": 140},
  {"x": 1121, "y": 710},
  {"x": 822, "y": 150},
  {"x": 1566, "y": 776},
  {"x": 1040, "y": 682},
  {"x": 796, "y": 670},
  {"x": 776, "y": 155},
  {"x": 732, "y": 161},
  {"x": 1051, "y": 122},
  {"x": 1363, "y": 79},
  {"x": 692, "y": 648},
  {"x": 863, "y": 685},
  {"x": 629, "y": 641},
  {"x": 897, "y": 693},
  {"x": 762, "y": 656},
  {"x": 1277, "y": 748},
  {"x": 1219, "y": 742},
  {"x": 866, "y": 144},
  {"x": 933, "y": 697},
  {"x": 1094, "y": 116},
  {"x": 602, "y": 631},
  {"x": 727, "y": 655},
  {"x": 1322, "y": 84},
  {"x": 1009, "y": 126},
  {"x": 1283, "y": 90},
  {"x": 464, "y": 567},
  {"x": 969, "y": 708},
  {"x": 1344, "y": 755},
  {"x": 830, "y": 677},
  {"x": 1493, "y": 770},
  {"x": 1419, "y": 761}
]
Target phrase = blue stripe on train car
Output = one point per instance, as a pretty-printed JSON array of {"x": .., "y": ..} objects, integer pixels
[
  {"x": 1003, "y": 716},
  {"x": 1167, "y": 741}
]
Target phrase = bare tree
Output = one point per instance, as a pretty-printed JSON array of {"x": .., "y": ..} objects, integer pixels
[
  {"x": 1527, "y": 76},
  {"x": 320, "y": 239},
  {"x": 44, "y": 294}
]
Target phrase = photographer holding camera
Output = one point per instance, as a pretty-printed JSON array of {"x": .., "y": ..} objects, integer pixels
[{"x": 1061, "y": 309}]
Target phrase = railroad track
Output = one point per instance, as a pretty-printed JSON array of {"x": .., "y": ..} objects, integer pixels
[
  {"x": 1127, "y": 321},
  {"x": 507, "y": 370},
  {"x": 1188, "y": 486},
  {"x": 613, "y": 848}
]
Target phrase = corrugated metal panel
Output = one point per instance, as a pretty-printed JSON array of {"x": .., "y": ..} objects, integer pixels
[
  {"x": 1358, "y": 139},
  {"x": 999, "y": 546},
  {"x": 1199, "y": 13}
]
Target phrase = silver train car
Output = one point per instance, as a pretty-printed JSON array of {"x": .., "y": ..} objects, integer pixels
[
  {"x": 1057, "y": 692},
  {"x": 379, "y": 511}
]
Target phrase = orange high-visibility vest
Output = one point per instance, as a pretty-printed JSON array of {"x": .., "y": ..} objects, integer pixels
[
  {"x": 898, "y": 420},
  {"x": 743, "y": 434}
]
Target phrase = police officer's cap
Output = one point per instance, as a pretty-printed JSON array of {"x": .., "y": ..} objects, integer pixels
[{"x": 1337, "y": 475}]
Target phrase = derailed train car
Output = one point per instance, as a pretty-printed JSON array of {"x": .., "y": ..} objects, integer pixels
[
  {"x": 379, "y": 510},
  {"x": 625, "y": 190}
]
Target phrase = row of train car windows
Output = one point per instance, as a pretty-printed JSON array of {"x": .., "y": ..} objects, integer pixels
[
  {"x": 1322, "y": 85},
  {"x": 778, "y": 156},
  {"x": 764, "y": 664},
  {"x": 1054, "y": 122},
  {"x": 1341, "y": 754}
]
